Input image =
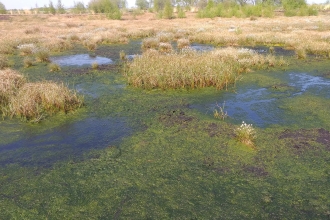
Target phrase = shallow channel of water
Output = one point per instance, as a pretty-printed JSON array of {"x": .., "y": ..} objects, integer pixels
[
  {"x": 66, "y": 141},
  {"x": 263, "y": 106}
]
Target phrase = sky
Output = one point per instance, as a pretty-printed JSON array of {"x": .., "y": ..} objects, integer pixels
[{"x": 27, "y": 4}]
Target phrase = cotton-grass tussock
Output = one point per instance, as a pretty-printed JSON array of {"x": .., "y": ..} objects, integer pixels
[
  {"x": 35, "y": 101},
  {"x": 191, "y": 69},
  {"x": 246, "y": 134},
  {"x": 10, "y": 82},
  {"x": 182, "y": 43},
  {"x": 150, "y": 43}
]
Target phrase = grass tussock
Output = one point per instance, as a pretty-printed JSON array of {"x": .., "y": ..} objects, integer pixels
[
  {"x": 34, "y": 101},
  {"x": 28, "y": 62},
  {"x": 42, "y": 56},
  {"x": 150, "y": 43},
  {"x": 191, "y": 69},
  {"x": 10, "y": 82},
  {"x": 183, "y": 42},
  {"x": 58, "y": 45},
  {"x": 3, "y": 62},
  {"x": 53, "y": 67}
]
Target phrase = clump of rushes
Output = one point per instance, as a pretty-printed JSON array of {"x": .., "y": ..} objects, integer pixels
[
  {"x": 301, "y": 53},
  {"x": 35, "y": 101},
  {"x": 53, "y": 67},
  {"x": 10, "y": 82},
  {"x": 42, "y": 56},
  {"x": 191, "y": 69},
  {"x": 95, "y": 65},
  {"x": 183, "y": 42},
  {"x": 165, "y": 47},
  {"x": 150, "y": 43},
  {"x": 3, "y": 62},
  {"x": 246, "y": 134},
  {"x": 28, "y": 62}
]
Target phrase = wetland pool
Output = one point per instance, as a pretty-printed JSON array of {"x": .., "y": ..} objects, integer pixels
[{"x": 152, "y": 154}]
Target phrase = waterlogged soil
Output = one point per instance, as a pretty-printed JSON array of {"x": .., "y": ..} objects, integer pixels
[{"x": 151, "y": 154}]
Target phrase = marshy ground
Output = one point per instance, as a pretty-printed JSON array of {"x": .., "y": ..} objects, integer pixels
[{"x": 135, "y": 150}]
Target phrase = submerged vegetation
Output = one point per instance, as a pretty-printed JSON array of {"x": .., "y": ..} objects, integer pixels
[{"x": 191, "y": 69}]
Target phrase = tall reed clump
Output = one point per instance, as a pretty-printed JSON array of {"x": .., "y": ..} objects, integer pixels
[
  {"x": 34, "y": 101},
  {"x": 191, "y": 69}
]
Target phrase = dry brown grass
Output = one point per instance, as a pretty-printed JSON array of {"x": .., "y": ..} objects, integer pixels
[
  {"x": 312, "y": 33},
  {"x": 3, "y": 62},
  {"x": 10, "y": 82},
  {"x": 35, "y": 101},
  {"x": 191, "y": 69}
]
